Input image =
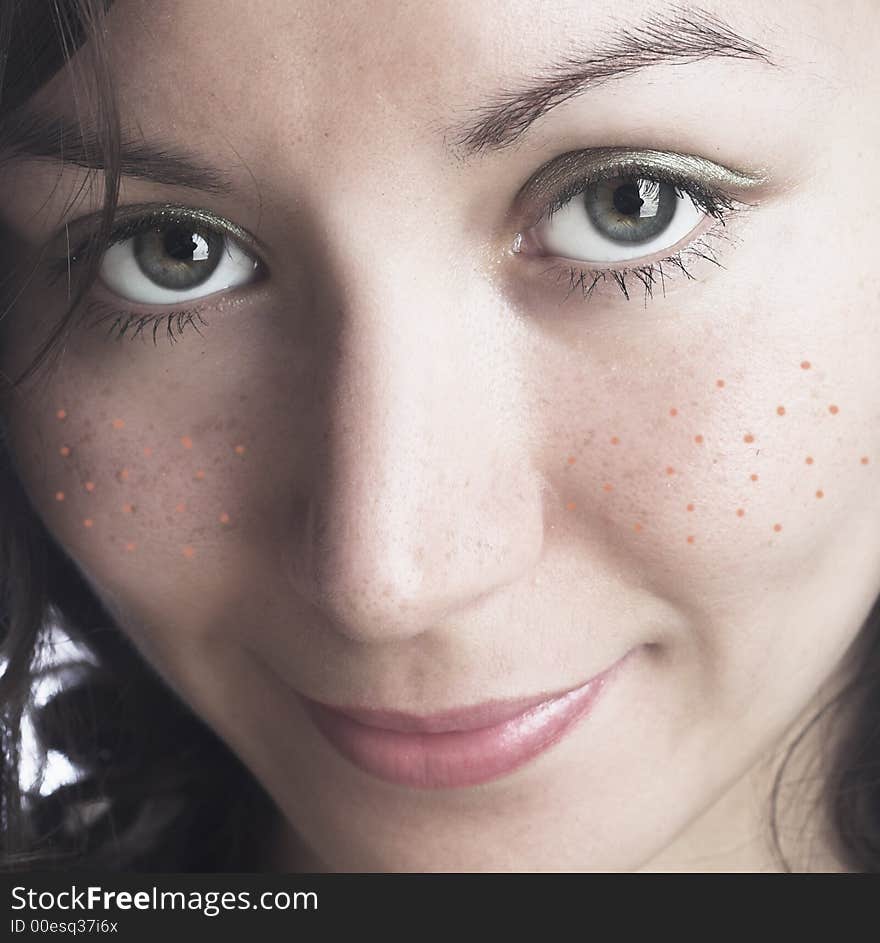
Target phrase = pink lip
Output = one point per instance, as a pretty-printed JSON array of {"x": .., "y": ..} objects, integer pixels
[{"x": 461, "y": 747}]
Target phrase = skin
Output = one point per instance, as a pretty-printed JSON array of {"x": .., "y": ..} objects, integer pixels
[{"x": 417, "y": 516}]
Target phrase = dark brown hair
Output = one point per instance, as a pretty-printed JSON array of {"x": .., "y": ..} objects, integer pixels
[{"x": 160, "y": 791}]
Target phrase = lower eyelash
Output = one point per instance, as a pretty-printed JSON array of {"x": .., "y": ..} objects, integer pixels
[
  {"x": 122, "y": 322},
  {"x": 647, "y": 275}
]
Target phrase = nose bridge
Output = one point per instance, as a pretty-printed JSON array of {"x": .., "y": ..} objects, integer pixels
[{"x": 423, "y": 498}]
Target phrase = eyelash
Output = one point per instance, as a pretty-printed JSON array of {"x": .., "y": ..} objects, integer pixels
[{"x": 713, "y": 201}]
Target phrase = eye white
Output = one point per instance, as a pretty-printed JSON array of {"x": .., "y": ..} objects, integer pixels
[
  {"x": 571, "y": 233},
  {"x": 122, "y": 274}
]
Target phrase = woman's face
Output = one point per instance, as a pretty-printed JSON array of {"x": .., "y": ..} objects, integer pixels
[{"x": 409, "y": 450}]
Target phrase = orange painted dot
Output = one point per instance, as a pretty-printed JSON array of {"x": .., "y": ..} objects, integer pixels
[
  {"x": 607, "y": 487},
  {"x": 59, "y": 495},
  {"x": 89, "y": 486},
  {"x": 61, "y": 414},
  {"x": 571, "y": 505},
  {"x": 864, "y": 459},
  {"x": 673, "y": 411},
  {"x": 719, "y": 383},
  {"x": 615, "y": 440},
  {"x": 690, "y": 538},
  {"x": 777, "y": 527},
  {"x": 130, "y": 546},
  {"x": 123, "y": 474},
  {"x": 189, "y": 552},
  {"x": 805, "y": 365},
  {"x": 186, "y": 442},
  {"x": 740, "y": 512},
  {"x": 148, "y": 451},
  {"x": 127, "y": 508},
  {"x": 670, "y": 470},
  {"x": 200, "y": 474},
  {"x": 118, "y": 423},
  {"x": 820, "y": 493},
  {"x": 637, "y": 528},
  {"x": 833, "y": 409},
  {"x": 224, "y": 518},
  {"x": 690, "y": 507},
  {"x": 571, "y": 459},
  {"x": 180, "y": 507},
  {"x": 239, "y": 449},
  {"x": 753, "y": 477},
  {"x": 809, "y": 459},
  {"x": 780, "y": 410},
  {"x": 748, "y": 437},
  {"x": 88, "y": 522},
  {"x": 64, "y": 450},
  {"x": 698, "y": 439}
]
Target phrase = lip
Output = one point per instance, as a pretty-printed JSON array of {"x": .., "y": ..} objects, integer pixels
[{"x": 461, "y": 747}]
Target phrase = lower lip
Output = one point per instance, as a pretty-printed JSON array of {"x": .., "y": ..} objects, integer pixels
[{"x": 456, "y": 758}]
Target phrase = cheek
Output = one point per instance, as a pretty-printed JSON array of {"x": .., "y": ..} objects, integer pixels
[{"x": 716, "y": 471}]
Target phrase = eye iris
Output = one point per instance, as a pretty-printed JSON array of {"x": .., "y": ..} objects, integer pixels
[
  {"x": 178, "y": 256},
  {"x": 630, "y": 209}
]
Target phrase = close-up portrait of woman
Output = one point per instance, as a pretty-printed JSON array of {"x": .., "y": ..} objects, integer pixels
[{"x": 440, "y": 435}]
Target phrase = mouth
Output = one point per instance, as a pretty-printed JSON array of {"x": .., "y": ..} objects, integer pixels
[{"x": 462, "y": 747}]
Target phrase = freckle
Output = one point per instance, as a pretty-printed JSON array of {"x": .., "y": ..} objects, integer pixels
[
  {"x": 780, "y": 410},
  {"x": 123, "y": 474},
  {"x": 59, "y": 495},
  {"x": 670, "y": 470},
  {"x": 64, "y": 450},
  {"x": 637, "y": 528},
  {"x": 147, "y": 451},
  {"x": 777, "y": 527},
  {"x": 571, "y": 458},
  {"x": 864, "y": 459},
  {"x": 820, "y": 493},
  {"x": 748, "y": 437},
  {"x": 615, "y": 440},
  {"x": 188, "y": 552},
  {"x": 690, "y": 507},
  {"x": 607, "y": 487},
  {"x": 809, "y": 460},
  {"x": 805, "y": 365},
  {"x": 571, "y": 505},
  {"x": 129, "y": 547},
  {"x": 186, "y": 442},
  {"x": 128, "y": 508},
  {"x": 698, "y": 439},
  {"x": 200, "y": 474},
  {"x": 61, "y": 414},
  {"x": 118, "y": 423},
  {"x": 224, "y": 518},
  {"x": 88, "y": 522},
  {"x": 89, "y": 486},
  {"x": 719, "y": 383},
  {"x": 833, "y": 409},
  {"x": 239, "y": 450},
  {"x": 690, "y": 538},
  {"x": 753, "y": 477},
  {"x": 180, "y": 507},
  {"x": 673, "y": 411},
  {"x": 740, "y": 512}
]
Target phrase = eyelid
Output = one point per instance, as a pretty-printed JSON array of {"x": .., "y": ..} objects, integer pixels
[
  {"x": 134, "y": 213},
  {"x": 548, "y": 180}
]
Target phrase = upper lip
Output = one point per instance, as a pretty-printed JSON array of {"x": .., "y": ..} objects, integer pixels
[{"x": 488, "y": 714}]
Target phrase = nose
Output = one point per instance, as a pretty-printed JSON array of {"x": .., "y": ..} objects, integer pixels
[{"x": 423, "y": 498}]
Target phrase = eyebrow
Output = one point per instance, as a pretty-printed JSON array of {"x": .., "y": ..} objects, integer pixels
[
  {"x": 35, "y": 133},
  {"x": 682, "y": 34}
]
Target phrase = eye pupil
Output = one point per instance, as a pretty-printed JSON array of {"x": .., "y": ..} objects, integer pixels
[
  {"x": 178, "y": 257},
  {"x": 627, "y": 199},
  {"x": 185, "y": 245}
]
